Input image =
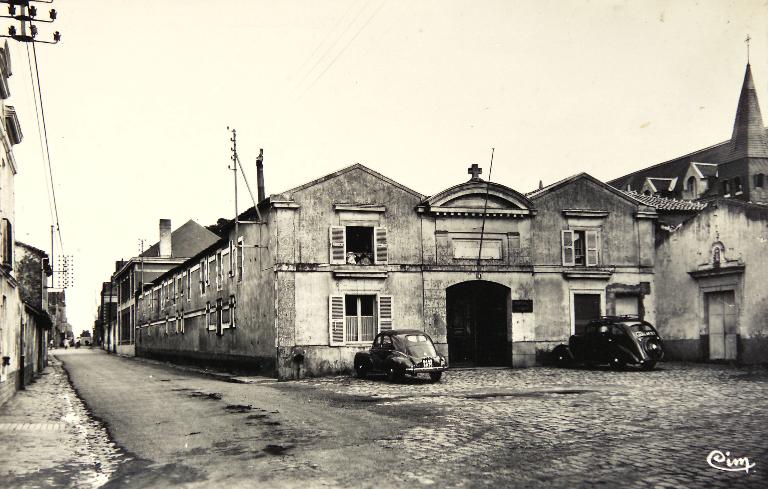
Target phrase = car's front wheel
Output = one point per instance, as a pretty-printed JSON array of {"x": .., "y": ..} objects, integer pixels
[
  {"x": 617, "y": 362},
  {"x": 361, "y": 369},
  {"x": 650, "y": 365},
  {"x": 561, "y": 356},
  {"x": 435, "y": 376},
  {"x": 393, "y": 374}
]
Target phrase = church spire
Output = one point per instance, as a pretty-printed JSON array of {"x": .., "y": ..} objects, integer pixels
[{"x": 749, "y": 137}]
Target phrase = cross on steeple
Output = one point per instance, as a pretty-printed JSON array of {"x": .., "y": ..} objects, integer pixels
[
  {"x": 747, "y": 41},
  {"x": 475, "y": 171}
]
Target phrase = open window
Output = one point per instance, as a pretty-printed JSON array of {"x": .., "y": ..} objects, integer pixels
[
  {"x": 580, "y": 247},
  {"x": 358, "y": 245},
  {"x": 358, "y": 318}
]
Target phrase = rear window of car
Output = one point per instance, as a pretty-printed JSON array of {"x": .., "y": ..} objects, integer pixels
[
  {"x": 642, "y": 327},
  {"x": 419, "y": 345}
]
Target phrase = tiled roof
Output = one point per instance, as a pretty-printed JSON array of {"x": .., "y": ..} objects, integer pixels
[{"x": 665, "y": 203}]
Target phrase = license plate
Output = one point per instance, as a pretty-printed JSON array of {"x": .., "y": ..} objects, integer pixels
[{"x": 426, "y": 363}]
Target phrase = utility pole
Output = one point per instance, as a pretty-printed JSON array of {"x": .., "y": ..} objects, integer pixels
[
  {"x": 233, "y": 140},
  {"x": 26, "y": 15}
]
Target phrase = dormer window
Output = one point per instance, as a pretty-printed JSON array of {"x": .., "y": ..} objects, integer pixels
[{"x": 690, "y": 185}]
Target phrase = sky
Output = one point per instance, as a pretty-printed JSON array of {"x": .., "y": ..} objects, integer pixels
[{"x": 138, "y": 96}]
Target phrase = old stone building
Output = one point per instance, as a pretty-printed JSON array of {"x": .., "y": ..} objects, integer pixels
[
  {"x": 712, "y": 304},
  {"x": 173, "y": 248},
  {"x": 301, "y": 285},
  {"x": 711, "y": 276},
  {"x": 594, "y": 256}
]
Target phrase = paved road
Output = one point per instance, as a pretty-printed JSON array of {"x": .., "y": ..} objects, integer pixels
[{"x": 478, "y": 428}]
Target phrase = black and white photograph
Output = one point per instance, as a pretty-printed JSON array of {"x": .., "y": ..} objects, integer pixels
[{"x": 383, "y": 244}]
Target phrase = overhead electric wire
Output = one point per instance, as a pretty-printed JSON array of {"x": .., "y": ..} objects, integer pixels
[
  {"x": 47, "y": 147},
  {"x": 40, "y": 136},
  {"x": 331, "y": 47},
  {"x": 349, "y": 43}
]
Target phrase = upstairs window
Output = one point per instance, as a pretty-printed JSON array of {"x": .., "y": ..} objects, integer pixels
[
  {"x": 759, "y": 180},
  {"x": 6, "y": 241},
  {"x": 690, "y": 184},
  {"x": 239, "y": 252},
  {"x": 358, "y": 245},
  {"x": 580, "y": 248},
  {"x": 219, "y": 270},
  {"x": 189, "y": 285},
  {"x": 737, "y": 185},
  {"x": 726, "y": 188},
  {"x": 203, "y": 279}
]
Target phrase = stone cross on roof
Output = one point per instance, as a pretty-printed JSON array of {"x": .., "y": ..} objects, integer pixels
[{"x": 475, "y": 171}]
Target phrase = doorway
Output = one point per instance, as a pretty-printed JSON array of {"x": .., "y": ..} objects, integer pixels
[
  {"x": 586, "y": 307},
  {"x": 721, "y": 322},
  {"x": 477, "y": 324}
]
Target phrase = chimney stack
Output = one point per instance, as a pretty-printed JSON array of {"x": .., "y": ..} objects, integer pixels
[
  {"x": 260, "y": 175},
  {"x": 165, "y": 238}
]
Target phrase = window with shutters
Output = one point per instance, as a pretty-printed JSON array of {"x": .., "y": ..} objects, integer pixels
[
  {"x": 189, "y": 284},
  {"x": 6, "y": 241},
  {"x": 202, "y": 277},
  {"x": 580, "y": 247},
  {"x": 231, "y": 256},
  {"x": 219, "y": 271},
  {"x": 358, "y": 245},
  {"x": 239, "y": 259},
  {"x": 358, "y": 318}
]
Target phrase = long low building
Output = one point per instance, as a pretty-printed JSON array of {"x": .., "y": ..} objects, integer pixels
[{"x": 299, "y": 285}]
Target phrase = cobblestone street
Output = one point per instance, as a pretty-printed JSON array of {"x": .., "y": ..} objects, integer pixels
[
  {"x": 603, "y": 428},
  {"x": 488, "y": 427}
]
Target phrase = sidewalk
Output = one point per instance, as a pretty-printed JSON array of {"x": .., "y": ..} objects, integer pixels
[{"x": 50, "y": 440}]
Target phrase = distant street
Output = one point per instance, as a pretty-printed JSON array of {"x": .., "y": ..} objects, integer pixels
[{"x": 478, "y": 428}]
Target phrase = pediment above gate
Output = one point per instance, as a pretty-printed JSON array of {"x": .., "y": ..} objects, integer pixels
[{"x": 478, "y": 198}]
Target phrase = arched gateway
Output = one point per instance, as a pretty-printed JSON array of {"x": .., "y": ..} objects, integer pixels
[{"x": 477, "y": 324}]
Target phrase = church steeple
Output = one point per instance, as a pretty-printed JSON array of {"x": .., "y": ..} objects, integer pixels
[{"x": 749, "y": 137}]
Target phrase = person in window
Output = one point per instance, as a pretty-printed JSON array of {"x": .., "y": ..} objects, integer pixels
[{"x": 351, "y": 258}]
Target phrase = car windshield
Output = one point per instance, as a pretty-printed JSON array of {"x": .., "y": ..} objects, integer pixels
[{"x": 418, "y": 345}]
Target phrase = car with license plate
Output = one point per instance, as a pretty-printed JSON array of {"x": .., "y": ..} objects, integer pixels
[
  {"x": 617, "y": 341},
  {"x": 397, "y": 353}
]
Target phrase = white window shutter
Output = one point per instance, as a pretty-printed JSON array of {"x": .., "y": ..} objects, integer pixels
[
  {"x": 231, "y": 258},
  {"x": 385, "y": 312},
  {"x": 336, "y": 320},
  {"x": 592, "y": 245},
  {"x": 380, "y": 246},
  {"x": 568, "y": 256},
  {"x": 337, "y": 241}
]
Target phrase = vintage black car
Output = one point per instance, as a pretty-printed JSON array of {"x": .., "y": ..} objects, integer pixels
[
  {"x": 398, "y": 353},
  {"x": 614, "y": 340}
]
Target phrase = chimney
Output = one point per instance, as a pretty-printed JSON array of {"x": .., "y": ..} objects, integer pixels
[
  {"x": 260, "y": 175},
  {"x": 165, "y": 238}
]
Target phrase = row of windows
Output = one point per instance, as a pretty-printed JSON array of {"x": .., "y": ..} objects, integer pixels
[
  {"x": 225, "y": 264},
  {"x": 734, "y": 185},
  {"x": 217, "y": 316}
]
